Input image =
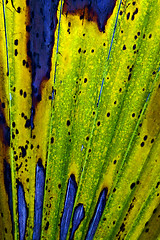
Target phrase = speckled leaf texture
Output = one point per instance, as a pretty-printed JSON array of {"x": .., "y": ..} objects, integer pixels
[{"x": 80, "y": 119}]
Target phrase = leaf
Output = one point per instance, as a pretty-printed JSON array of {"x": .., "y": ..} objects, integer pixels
[{"x": 79, "y": 97}]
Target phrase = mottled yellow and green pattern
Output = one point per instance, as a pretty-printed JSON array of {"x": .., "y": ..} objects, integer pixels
[{"x": 91, "y": 116}]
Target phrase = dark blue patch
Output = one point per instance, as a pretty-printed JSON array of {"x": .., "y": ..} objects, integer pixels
[
  {"x": 77, "y": 218},
  {"x": 68, "y": 207},
  {"x": 39, "y": 195},
  {"x": 8, "y": 187},
  {"x": 97, "y": 214},
  {"x": 5, "y": 129},
  {"x": 98, "y": 11},
  {"x": 43, "y": 22},
  {"x": 22, "y": 211}
]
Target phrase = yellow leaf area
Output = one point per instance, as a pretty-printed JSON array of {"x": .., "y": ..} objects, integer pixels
[{"x": 112, "y": 141}]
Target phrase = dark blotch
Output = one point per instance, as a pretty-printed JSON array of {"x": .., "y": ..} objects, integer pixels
[
  {"x": 8, "y": 187},
  {"x": 68, "y": 207},
  {"x": 78, "y": 216},
  {"x": 39, "y": 195},
  {"x": 92, "y": 10},
  {"x": 97, "y": 214},
  {"x": 22, "y": 211},
  {"x": 44, "y": 23}
]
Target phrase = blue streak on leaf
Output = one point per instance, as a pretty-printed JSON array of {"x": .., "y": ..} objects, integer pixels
[
  {"x": 22, "y": 211},
  {"x": 68, "y": 207},
  {"x": 100, "y": 92},
  {"x": 39, "y": 195},
  {"x": 8, "y": 187},
  {"x": 78, "y": 216},
  {"x": 97, "y": 215}
]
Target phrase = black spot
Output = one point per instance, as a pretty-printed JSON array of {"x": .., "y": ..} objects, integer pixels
[
  {"x": 85, "y": 80},
  {"x": 124, "y": 47},
  {"x": 23, "y": 151},
  {"x": 21, "y": 92},
  {"x": 52, "y": 140},
  {"x": 134, "y": 46},
  {"x": 142, "y": 144},
  {"x": 152, "y": 140},
  {"x": 15, "y": 52},
  {"x": 18, "y": 9},
  {"x": 28, "y": 123},
  {"x": 128, "y": 15},
  {"x": 16, "y": 42},
  {"x": 98, "y": 123},
  {"x": 145, "y": 138},
  {"x": 129, "y": 76},
  {"x": 108, "y": 114},
  {"x": 68, "y": 122},
  {"x": 132, "y": 185}
]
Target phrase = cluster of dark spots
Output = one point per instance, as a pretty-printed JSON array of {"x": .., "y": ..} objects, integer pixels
[
  {"x": 134, "y": 13},
  {"x": 25, "y": 63},
  {"x": 28, "y": 123},
  {"x": 23, "y": 151},
  {"x": 96, "y": 11},
  {"x": 18, "y": 167},
  {"x": 122, "y": 229}
]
